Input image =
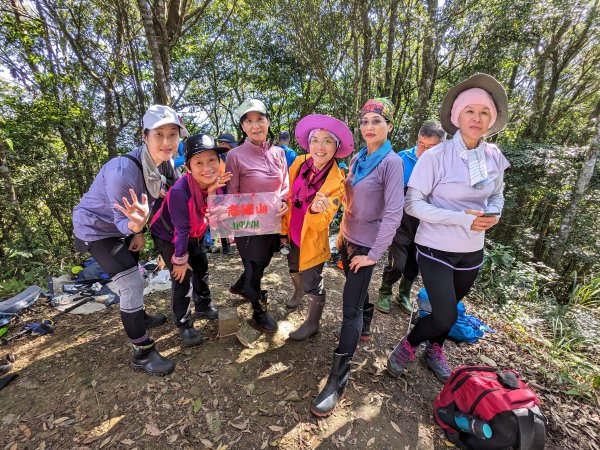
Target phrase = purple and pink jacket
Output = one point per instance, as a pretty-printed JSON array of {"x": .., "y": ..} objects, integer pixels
[{"x": 180, "y": 217}]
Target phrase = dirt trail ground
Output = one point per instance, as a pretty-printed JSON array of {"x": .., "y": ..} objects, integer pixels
[{"x": 76, "y": 389}]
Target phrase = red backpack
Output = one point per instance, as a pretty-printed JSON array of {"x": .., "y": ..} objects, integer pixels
[{"x": 486, "y": 408}]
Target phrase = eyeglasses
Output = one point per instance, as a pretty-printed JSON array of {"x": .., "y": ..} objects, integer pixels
[
  {"x": 375, "y": 122},
  {"x": 326, "y": 142},
  {"x": 260, "y": 122}
]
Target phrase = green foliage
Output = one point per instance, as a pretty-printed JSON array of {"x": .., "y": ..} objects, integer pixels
[{"x": 587, "y": 294}]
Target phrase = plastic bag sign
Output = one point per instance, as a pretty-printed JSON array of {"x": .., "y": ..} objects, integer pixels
[{"x": 243, "y": 214}]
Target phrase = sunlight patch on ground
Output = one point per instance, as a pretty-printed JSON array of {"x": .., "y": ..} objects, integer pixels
[{"x": 273, "y": 370}]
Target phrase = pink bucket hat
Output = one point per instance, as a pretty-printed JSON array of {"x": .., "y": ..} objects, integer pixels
[{"x": 331, "y": 124}]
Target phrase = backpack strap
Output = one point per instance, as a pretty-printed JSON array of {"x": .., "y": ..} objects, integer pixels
[
  {"x": 531, "y": 428},
  {"x": 139, "y": 164}
]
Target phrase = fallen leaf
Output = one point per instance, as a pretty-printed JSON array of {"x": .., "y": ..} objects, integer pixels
[
  {"x": 127, "y": 442},
  {"x": 152, "y": 429},
  {"x": 240, "y": 426},
  {"x": 197, "y": 406},
  {"x": 106, "y": 441},
  {"x": 172, "y": 438},
  {"x": 206, "y": 443},
  {"x": 293, "y": 397},
  {"x": 488, "y": 361},
  {"x": 60, "y": 420},
  {"x": 396, "y": 427},
  {"x": 25, "y": 430},
  {"x": 275, "y": 428},
  {"x": 370, "y": 442}
]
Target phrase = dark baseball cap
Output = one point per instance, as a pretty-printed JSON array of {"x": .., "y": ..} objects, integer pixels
[
  {"x": 199, "y": 143},
  {"x": 284, "y": 136},
  {"x": 228, "y": 138}
]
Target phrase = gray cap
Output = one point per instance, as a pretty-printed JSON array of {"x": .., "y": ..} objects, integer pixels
[
  {"x": 159, "y": 115},
  {"x": 252, "y": 104}
]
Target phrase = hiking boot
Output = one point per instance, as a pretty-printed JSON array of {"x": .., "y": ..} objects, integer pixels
[
  {"x": 154, "y": 320},
  {"x": 190, "y": 336},
  {"x": 313, "y": 317},
  {"x": 147, "y": 358},
  {"x": 365, "y": 334},
  {"x": 333, "y": 391},
  {"x": 206, "y": 310},
  {"x": 296, "y": 297},
  {"x": 262, "y": 321},
  {"x": 236, "y": 290},
  {"x": 435, "y": 360},
  {"x": 403, "y": 297},
  {"x": 400, "y": 357}
]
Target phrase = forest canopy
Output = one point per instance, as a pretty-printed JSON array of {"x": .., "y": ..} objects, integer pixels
[{"x": 76, "y": 78}]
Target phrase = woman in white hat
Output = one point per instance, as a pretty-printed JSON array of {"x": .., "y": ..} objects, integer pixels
[
  {"x": 109, "y": 222},
  {"x": 456, "y": 190},
  {"x": 257, "y": 166},
  {"x": 317, "y": 188}
]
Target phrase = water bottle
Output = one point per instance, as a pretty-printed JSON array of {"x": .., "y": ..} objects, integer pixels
[{"x": 472, "y": 425}]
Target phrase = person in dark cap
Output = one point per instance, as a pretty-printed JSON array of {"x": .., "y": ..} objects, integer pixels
[
  {"x": 178, "y": 231},
  {"x": 290, "y": 154},
  {"x": 226, "y": 140}
]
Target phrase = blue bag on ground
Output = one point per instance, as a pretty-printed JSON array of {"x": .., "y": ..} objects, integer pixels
[{"x": 466, "y": 329}]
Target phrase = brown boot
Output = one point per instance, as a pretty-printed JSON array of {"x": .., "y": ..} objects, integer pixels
[
  {"x": 313, "y": 316},
  {"x": 296, "y": 297}
]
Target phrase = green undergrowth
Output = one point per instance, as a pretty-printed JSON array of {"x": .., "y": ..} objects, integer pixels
[{"x": 556, "y": 319}]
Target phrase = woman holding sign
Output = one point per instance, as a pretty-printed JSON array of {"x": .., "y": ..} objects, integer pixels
[
  {"x": 178, "y": 230},
  {"x": 257, "y": 166},
  {"x": 317, "y": 188},
  {"x": 373, "y": 211},
  {"x": 456, "y": 190}
]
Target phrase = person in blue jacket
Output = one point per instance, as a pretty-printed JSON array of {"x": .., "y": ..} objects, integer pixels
[
  {"x": 110, "y": 219},
  {"x": 290, "y": 154},
  {"x": 402, "y": 263}
]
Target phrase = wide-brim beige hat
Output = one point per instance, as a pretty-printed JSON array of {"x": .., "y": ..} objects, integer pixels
[{"x": 489, "y": 84}]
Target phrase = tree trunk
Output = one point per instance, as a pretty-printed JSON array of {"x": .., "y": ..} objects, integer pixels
[
  {"x": 366, "y": 53},
  {"x": 9, "y": 187},
  {"x": 162, "y": 85},
  {"x": 427, "y": 70},
  {"x": 111, "y": 127},
  {"x": 583, "y": 180},
  {"x": 389, "y": 54}
]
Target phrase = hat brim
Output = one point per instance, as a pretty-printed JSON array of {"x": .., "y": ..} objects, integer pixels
[
  {"x": 321, "y": 121},
  {"x": 183, "y": 132},
  {"x": 488, "y": 84},
  {"x": 233, "y": 144},
  {"x": 219, "y": 150}
]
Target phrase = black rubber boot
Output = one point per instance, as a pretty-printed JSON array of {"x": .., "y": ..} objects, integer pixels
[
  {"x": 153, "y": 321},
  {"x": 262, "y": 321},
  {"x": 237, "y": 288},
  {"x": 333, "y": 391},
  {"x": 148, "y": 359},
  {"x": 365, "y": 335},
  {"x": 205, "y": 308},
  {"x": 189, "y": 335}
]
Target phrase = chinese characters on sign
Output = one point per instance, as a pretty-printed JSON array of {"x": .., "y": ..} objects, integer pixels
[{"x": 243, "y": 214}]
